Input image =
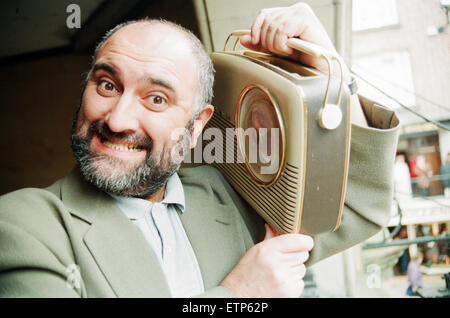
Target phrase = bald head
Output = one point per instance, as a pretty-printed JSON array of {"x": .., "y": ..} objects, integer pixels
[{"x": 136, "y": 38}]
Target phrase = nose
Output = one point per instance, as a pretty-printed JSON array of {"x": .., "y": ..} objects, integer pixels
[{"x": 122, "y": 116}]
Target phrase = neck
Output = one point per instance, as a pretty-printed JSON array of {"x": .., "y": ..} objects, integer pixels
[{"x": 157, "y": 196}]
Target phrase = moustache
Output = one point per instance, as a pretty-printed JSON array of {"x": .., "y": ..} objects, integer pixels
[{"x": 105, "y": 133}]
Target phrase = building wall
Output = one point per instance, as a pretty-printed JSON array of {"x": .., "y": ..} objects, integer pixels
[
  {"x": 39, "y": 98},
  {"x": 430, "y": 58}
]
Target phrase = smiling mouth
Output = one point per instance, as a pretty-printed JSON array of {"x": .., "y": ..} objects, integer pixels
[{"x": 121, "y": 146}]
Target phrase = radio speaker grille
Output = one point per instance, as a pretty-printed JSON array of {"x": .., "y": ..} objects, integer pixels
[{"x": 279, "y": 203}]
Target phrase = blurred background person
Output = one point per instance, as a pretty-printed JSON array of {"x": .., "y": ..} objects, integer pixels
[
  {"x": 444, "y": 171},
  {"x": 443, "y": 246},
  {"x": 423, "y": 172},
  {"x": 412, "y": 172},
  {"x": 404, "y": 259},
  {"x": 402, "y": 179},
  {"x": 414, "y": 275},
  {"x": 432, "y": 254}
]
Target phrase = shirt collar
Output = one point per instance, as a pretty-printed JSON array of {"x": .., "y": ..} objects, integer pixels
[
  {"x": 174, "y": 192},
  {"x": 135, "y": 208}
]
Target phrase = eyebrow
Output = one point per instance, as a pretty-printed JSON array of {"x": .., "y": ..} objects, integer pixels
[
  {"x": 161, "y": 82},
  {"x": 105, "y": 67}
]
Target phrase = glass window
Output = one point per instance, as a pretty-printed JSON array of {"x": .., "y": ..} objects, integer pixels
[
  {"x": 389, "y": 71},
  {"x": 370, "y": 14}
]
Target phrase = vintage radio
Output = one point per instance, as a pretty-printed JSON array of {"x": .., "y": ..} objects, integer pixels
[{"x": 300, "y": 121}]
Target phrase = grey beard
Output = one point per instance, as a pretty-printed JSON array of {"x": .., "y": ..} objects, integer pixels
[{"x": 140, "y": 181}]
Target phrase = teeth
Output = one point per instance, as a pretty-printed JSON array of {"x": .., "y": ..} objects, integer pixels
[{"x": 129, "y": 148}]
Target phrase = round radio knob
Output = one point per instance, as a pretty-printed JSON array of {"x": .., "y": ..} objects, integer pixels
[{"x": 330, "y": 117}]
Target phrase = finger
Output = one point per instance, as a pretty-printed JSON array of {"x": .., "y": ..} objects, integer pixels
[
  {"x": 270, "y": 232},
  {"x": 256, "y": 28},
  {"x": 288, "y": 243},
  {"x": 275, "y": 30},
  {"x": 246, "y": 42},
  {"x": 301, "y": 287},
  {"x": 263, "y": 35},
  {"x": 257, "y": 48},
  {"x": 271, "y": 37},
  {"x": 273, "y": 230},
  {"x": 303, "y": 257},
  {"x": 278, "y": 43},
  {"x": 296, "y": 288},
  {"x": 295, "y": 258},
  {"x": 281, "y": 38},
  {"x": 298, "y": 272}
]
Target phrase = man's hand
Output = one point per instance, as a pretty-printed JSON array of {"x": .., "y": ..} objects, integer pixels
[
  {"x": 273, "y": 27},
  {"x": 272, "y": 268}
]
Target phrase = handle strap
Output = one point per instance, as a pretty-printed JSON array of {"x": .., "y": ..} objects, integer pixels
[{"x": 307, "y": 48}]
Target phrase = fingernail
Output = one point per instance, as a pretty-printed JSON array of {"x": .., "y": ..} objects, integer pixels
[
  {"x": 305, "y": 257},
  {"x": 312, "y": 241}
]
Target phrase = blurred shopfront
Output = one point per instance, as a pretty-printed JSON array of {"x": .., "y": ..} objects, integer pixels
[{"x": 425, "y": 149}]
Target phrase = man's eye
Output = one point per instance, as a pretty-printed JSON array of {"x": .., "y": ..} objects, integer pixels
[
  {"x": 107, "y": 86},
  {"x": 156, "y": 102}
]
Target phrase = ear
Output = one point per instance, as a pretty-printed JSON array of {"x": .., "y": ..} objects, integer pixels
[{"x": 200, "y": 122}]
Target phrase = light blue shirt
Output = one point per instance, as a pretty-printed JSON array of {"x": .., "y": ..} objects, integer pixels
[{"x": 161, "y": 226}]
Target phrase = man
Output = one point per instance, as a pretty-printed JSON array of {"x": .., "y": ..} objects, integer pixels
[
  {"x": 414, "y": 275},
  {"x": 402, "y": 179},
  {"x": 444, "y": 171},
  {"x": 125, "y": 224}
]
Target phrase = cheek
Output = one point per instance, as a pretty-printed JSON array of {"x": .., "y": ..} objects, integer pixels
[
  {"x": 159, "y": 132},
  {"x": 165, "y": 131},
  {"x": 95, "y": 107}
]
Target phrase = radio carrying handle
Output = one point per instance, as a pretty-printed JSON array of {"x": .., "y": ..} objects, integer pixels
[{"x": 330, "y": 115}]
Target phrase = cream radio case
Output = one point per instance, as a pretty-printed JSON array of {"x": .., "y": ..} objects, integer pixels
[{"x": 304, "y": 191}]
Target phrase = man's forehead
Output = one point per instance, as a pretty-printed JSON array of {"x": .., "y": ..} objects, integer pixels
[
  {"x": 152, "y": 53},
  {"x": 142, "y": 39}
]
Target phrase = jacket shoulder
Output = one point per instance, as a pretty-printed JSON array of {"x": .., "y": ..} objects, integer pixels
[
  {"x": 199, "y": 172},
  {"x": 209, "y": 179},
  {"x": 27, "y": 199},
  {"x": 35, "y": 247},
  {"x": 36, "y": 213}
]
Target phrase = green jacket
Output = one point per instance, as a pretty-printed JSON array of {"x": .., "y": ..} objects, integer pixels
[{"x": 45, "y": 233}]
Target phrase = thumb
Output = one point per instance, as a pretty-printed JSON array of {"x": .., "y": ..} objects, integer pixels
[
  {"x": 246, "y": 40},
  {"x": 270, "y": 232}
]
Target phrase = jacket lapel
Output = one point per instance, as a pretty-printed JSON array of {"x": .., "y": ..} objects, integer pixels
[
  {"x": 212, "y": 230},
  {"x": 119, "y": 249}
]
